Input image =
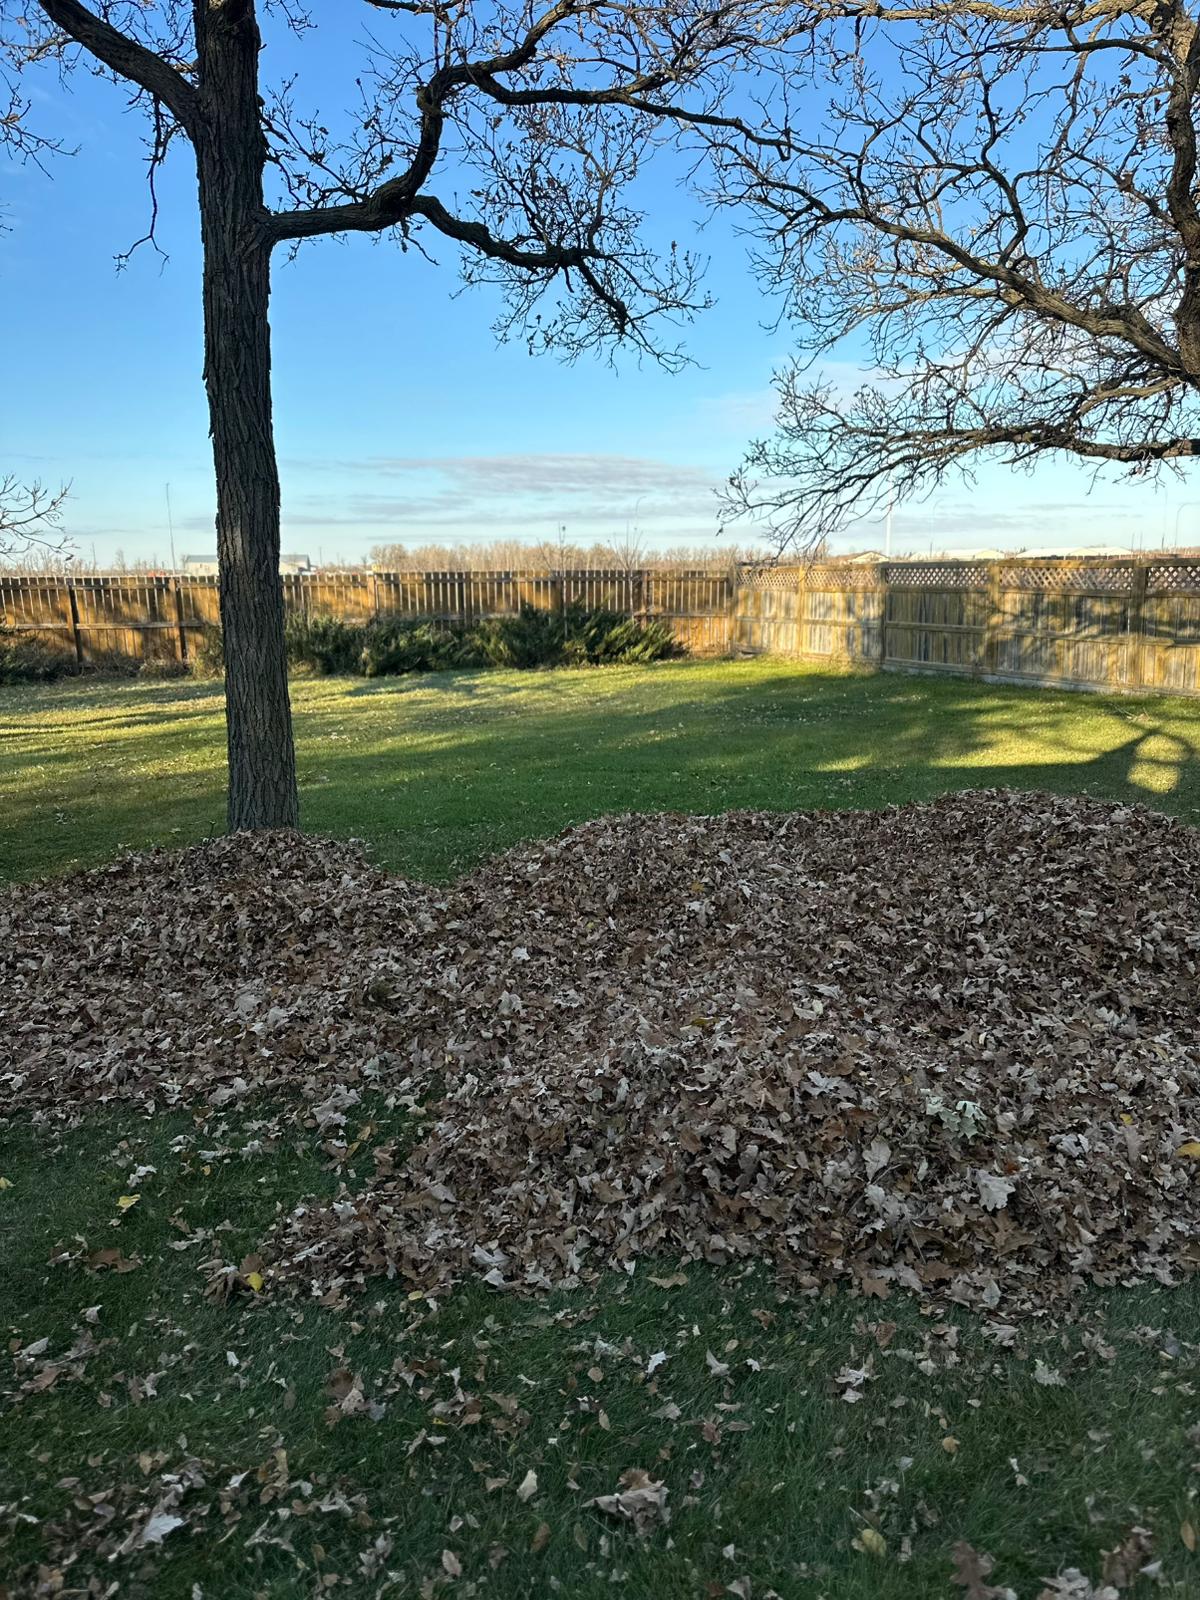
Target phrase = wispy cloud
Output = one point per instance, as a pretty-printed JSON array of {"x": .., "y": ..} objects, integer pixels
[{"x": 490, "y": 495}]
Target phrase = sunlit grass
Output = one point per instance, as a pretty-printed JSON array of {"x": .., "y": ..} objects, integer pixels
[{"x": 436, "y": 772}]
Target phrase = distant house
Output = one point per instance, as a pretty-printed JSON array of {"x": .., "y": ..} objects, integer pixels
[{"x": 206, "y": 566}]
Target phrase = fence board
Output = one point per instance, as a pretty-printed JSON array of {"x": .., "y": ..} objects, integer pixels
[{"x": 1109, "y": 624}]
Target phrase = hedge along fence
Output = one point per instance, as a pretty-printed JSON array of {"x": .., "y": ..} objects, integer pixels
[
  {"x": 158, "y": 620},
  {"x": 1107, "y": 624}
]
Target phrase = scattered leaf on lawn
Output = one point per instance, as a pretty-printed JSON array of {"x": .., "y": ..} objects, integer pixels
[{"x": 639, "y": 1499}]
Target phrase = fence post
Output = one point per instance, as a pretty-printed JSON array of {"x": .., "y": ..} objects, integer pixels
[
  {"x": 989, "y": 655},
  {"x": 180, "y": 631},
  {"x": 461, "y": 596},
  {"x": 885, "y": 590},
  {"x": 74, "y": 605},
  {"x": 1135, "y": 626}
]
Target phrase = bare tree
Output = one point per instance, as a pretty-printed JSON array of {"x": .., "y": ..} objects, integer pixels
[
  {"x": 30, "y": 519},
  {"x": 510, "y": 555},
  {"x": 999, "y": 214},
  {"x": 540, "y": 115}
]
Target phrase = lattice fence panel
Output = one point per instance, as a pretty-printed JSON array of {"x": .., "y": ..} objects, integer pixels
[
  {"x": 1174, "y": 577},
  {"x": 759, "y": 578},
  {"x": 1065, "y": 576},
  {"x": 936, "y": 574}
]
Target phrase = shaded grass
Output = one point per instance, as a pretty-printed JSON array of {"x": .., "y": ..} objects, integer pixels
[
  {"x": 439, "y": 772},
  {"x": 772, "y": 1475}
]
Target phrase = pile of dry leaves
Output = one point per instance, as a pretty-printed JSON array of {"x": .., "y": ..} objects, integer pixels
[{"x": 951, "y": 1047}]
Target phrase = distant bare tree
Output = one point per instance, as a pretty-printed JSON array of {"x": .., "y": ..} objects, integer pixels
[
  {"x": 513, "y": 130},
  {"x": 30, "y": 520},
  {"x": 506, "y": 555},
  {"x": 1001, "y": 207}
]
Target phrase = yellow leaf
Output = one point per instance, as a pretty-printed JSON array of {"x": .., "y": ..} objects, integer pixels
[
  {"x": 1191, "y": 1150},
  {"x": 873, "y": 1542},
  {"x": 5, "y": 1183},
  {"x": 1188, "y": 1534},
  {"x": 1126, "y": 1119},
  {"x": 255, "y": 1281},
  {"x": 127, "y": 1200}
]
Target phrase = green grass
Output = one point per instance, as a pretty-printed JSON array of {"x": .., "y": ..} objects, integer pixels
[
  {"x": 437, "y": 772},
  {"x": 768, "y": 1460},
  {"x": 772, "y": 1475}
]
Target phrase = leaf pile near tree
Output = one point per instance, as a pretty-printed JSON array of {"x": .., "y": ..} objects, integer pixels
[{"x": 952, "y": 1048}]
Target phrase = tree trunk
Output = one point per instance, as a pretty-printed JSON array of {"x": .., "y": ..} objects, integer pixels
[{"x": 237, "y": 373}]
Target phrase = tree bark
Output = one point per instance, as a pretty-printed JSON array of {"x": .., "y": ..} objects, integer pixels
[{"x": 230, "y": 153}]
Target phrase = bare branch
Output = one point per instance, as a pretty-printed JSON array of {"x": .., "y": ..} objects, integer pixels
[
  {"x": 30, "y": 516},
  {"x": 1001, "y": 207},
  {"x": 126, "y": 57}
]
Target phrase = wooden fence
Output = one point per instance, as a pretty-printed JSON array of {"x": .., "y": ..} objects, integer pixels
[{"x": 1109, "y": 624}]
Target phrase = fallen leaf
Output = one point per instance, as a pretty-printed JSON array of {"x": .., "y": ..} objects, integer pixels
[
  {"x": 971, "y": 1570},
  {"x": 159, "y": 1526},
  {"x": 640, "y": 1499}
]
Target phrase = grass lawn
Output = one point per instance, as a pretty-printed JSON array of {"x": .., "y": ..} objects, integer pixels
[
  {"x": 388, "y": 1449},
  {"x": 437, "y": 772}
]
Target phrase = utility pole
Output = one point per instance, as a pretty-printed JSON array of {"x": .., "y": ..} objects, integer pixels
[
  {"x": 887, "y": 530},
  {"x": 171, "y": 529}
]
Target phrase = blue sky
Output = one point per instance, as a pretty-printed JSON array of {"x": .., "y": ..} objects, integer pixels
[{"x": 398, "y": 418}]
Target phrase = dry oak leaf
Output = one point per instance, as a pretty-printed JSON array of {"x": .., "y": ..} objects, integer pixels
[{"x": 640, "y": 1499}]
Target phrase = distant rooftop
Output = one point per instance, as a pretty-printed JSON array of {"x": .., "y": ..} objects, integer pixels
[{"x": 205, "y": 566}]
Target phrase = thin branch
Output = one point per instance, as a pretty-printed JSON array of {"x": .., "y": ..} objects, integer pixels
[{"x": 126, "y": 57}]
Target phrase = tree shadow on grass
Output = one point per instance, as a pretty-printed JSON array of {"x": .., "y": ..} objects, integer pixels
[
  {"x": 438, "y": 771},
  {"x": 784, "y": 742}
]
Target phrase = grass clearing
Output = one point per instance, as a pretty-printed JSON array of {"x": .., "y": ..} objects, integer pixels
[
  {"x": 437, "y": 772},
  {"x": 149, "y": 1396}
]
